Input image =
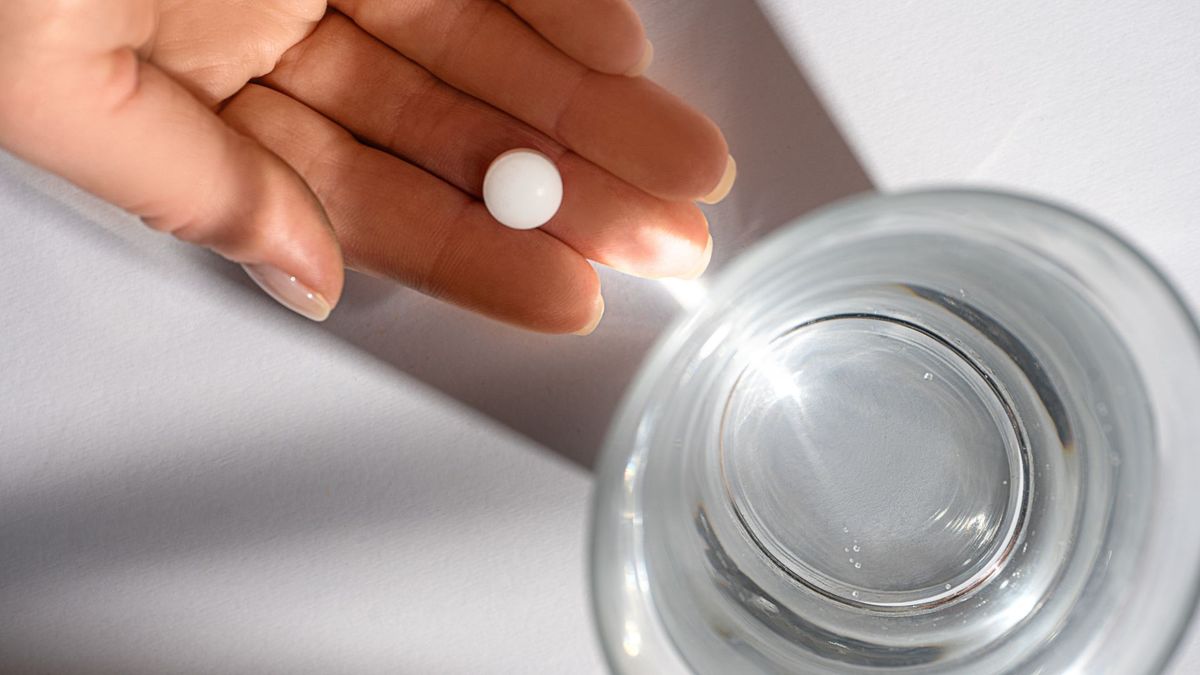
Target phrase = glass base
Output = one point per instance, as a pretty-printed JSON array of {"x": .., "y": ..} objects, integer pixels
[{"x": 874, "y": 462}]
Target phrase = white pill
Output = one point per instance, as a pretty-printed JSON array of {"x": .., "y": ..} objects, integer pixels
[{"x": 522, "y": 189}]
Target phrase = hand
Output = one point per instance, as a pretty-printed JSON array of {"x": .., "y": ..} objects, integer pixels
[{"x": 296, "y": 138}]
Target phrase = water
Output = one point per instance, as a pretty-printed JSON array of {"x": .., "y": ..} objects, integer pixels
[
  {"x": 898, "y": 427},
  {"x": 823, "y": 426},
  {"x": 900, "y": 442}
]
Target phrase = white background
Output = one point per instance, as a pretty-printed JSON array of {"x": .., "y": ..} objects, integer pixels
[{"x": 193, "y": 480}]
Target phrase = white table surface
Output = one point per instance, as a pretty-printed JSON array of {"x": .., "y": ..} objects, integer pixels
[{"x": 195, "y": 481}]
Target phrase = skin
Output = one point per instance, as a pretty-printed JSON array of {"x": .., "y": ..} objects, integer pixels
[{"x": 310, "y": 137}]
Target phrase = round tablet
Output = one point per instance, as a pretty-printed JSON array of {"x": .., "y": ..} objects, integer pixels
[{"x": 522, "y": 189}]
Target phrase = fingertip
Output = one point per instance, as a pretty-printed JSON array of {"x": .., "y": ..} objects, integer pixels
[
  {"x": 702, "y": 263},
  {"x": 724, "y": 185},
  {"x": 626, "y": 43},
  {"x": 644, "y": 62},
  {"x": 594, "y": 320},
  {"x": 706, "y": 167},
  {"x": 298, "y": 266},
  {"x": 580, "y": 305},
  {"x": 289, "y": 291},
  {"x": 569, "y": 300},
  {"x": 678, "y": 249},
  {"x": 312, "y": 248},
  {"x": 621, "y": 49}
]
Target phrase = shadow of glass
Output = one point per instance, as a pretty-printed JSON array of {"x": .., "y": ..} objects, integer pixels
[{"x": 725, "y": 58}]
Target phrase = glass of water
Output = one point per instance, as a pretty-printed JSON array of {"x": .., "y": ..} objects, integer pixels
[{"x": 938, "y": 432}]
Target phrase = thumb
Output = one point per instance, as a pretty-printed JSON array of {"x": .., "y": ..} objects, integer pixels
[{"x": 122, "y": 129}]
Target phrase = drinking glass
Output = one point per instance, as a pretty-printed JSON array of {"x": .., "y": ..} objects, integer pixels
[{"x": 935, "y": 432}]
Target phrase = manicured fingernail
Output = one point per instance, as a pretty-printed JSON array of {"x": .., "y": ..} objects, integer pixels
[
  {"x": 598, "y": 314},
  {"x": 647, "y": 59},
  {"x": 703, "y": 264},
  {"x": 289, "y": 292},
  {"x": 724, "y": 186}
]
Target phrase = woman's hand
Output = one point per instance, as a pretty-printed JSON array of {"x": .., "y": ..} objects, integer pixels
[{"x": 296, "y": 138}]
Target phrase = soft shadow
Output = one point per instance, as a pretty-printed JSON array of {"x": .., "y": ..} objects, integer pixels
[
  {"x": 221, "y": 514},
  {"x": 722, "y": 56},
  {"x": 217, "y": 502}
]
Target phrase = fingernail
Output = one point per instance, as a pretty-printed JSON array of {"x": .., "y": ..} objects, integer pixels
[
  {"x": 703, "y": 264},
  {"x": 724, "y": 186},
  {"x": 647, "y": 59},
  {"x": 598, "y": 314},
  {"x": 289, "y": 292}
]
